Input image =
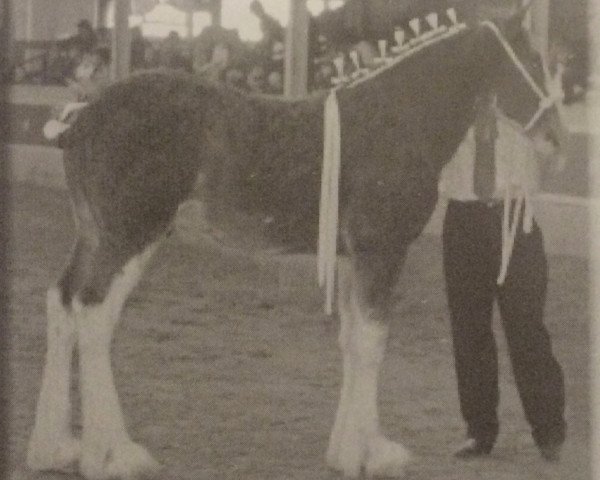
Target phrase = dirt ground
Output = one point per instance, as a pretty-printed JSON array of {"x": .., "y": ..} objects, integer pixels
[{"x": 225, "y": 373}]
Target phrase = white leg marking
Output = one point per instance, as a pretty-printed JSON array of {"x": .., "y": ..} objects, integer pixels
[
  {"x": 356, "y": 440},
  {"x": 107, "y": 450},
  {"x": 52, "y": 445},
  {"x": 346, "y": 325}
]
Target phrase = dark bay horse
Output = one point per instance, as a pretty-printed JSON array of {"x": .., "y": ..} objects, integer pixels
[{"x": 147, "y": 144}]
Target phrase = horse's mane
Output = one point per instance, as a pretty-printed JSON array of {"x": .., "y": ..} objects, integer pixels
[
  {"x": 372, "y": 20},
  {"x": 425, "y": 47}
]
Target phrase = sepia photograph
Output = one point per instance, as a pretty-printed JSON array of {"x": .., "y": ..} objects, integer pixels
[{"x": 299, "y": 239}]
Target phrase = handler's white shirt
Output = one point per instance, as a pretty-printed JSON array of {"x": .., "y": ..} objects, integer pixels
[{"x": 515, "y": 162}]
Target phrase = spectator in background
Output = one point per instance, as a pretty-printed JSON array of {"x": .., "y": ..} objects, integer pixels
[
  {"x": 87, "y": 81},
  {"x": 139, "y": 49},
  {"x": 255, "y": 81},
  {"x": 152, "y": 55},
  {"x": 91, "y": 75},
  {"x": 64, "y": 59},
  {"x": 576, "y": 71},
  {"x": 70, "y": 52},
  {"x": 171, "y": 53},
  {"x": 103, "y": 38},
  {"x": 204, "y": 45},
  {"x": 269, "y": 53},
  {"x": 235, "y": 77},
  {"x": 216, "y": 50},
  {"x": 85, "y": 39},
  {"x": 274, "y": 83},
  {"x": 272, "y": 31},
  {"x": 324, "y": 72},
  {"x": 214, "y": 69}
]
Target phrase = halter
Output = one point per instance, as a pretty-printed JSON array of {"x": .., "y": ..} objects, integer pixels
[{"x": 546, "y": 101}]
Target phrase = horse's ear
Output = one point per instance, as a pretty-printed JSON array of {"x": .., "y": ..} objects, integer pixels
[{"x": 514, "y": 24}]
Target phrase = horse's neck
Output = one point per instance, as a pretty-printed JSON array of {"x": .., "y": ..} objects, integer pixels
[{"x": 395, "y": 119}]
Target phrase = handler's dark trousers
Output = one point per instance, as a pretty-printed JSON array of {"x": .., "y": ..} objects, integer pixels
[{"x": 472, "y": 242}]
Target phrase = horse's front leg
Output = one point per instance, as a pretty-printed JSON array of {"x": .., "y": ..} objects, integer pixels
[{"x": 356, "y": 440}]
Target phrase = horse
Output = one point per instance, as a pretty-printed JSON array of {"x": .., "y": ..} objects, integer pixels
[{"x": 149, "y": 143}]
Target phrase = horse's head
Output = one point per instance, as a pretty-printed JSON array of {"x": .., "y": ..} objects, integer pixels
[{"x": 524, "y": 90}]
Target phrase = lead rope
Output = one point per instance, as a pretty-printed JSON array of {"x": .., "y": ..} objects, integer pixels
[
  {"x": 509, "y": 230},
  {"x": 328, "y": 209},
  {"x": 518, "y": 194},
  {"x": 522, "y": 198},
  {"x": 515, "y": 194}
]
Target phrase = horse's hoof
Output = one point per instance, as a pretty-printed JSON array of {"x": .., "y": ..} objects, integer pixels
[
  {"x": 347, "y": 455},
  {"x": 386, "y": 459},
  {"x": 57, "y": 456},
  {"x": 125, "y": 461}
]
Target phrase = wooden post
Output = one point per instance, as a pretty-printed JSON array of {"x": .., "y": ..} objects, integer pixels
[
  {"x": 189, "y": 20},
  {"x": 100, "y": 11},
  {"x": 6, "y": 212},
  {"x": 296, "y": 50},
  {"x": 121, "y": 50},
  {"x": 98, "y": 18},
  {"x": 593, "y": 102},
  {"x": 215, "y": 12},
  {"x": 538, "y": 20},
  {"x": 29, "y": 29}
]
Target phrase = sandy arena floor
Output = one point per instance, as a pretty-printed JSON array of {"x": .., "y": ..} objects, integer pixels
[{"x": 224, "y": 375}]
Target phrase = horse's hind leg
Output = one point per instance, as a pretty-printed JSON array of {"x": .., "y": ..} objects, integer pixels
[
  {"x": 356, "y": 441},
  {"x": 52, "y": 445},
  {"x": 107, "y": 452},
  {"x": 84, "y": 308}
]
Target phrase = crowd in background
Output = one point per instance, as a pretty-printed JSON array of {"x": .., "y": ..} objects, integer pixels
[
  {"x": 218, "y": 54},
  {"x": 82, "y": 61},
  {"x": 221, "y": 55}
]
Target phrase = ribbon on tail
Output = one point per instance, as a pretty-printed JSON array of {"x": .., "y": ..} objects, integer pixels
[{"x": 329, "y": 204}]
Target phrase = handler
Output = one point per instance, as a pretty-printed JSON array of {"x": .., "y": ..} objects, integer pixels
[{"x": 475, "y": 181}]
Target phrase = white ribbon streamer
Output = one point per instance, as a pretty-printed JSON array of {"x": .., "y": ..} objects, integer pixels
[{"x": 328, "y": 211}]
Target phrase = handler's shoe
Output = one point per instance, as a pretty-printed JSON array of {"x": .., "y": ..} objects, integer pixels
[
  {"x": 473, "y": 448},
  {"x": 550, "y": 452}
]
